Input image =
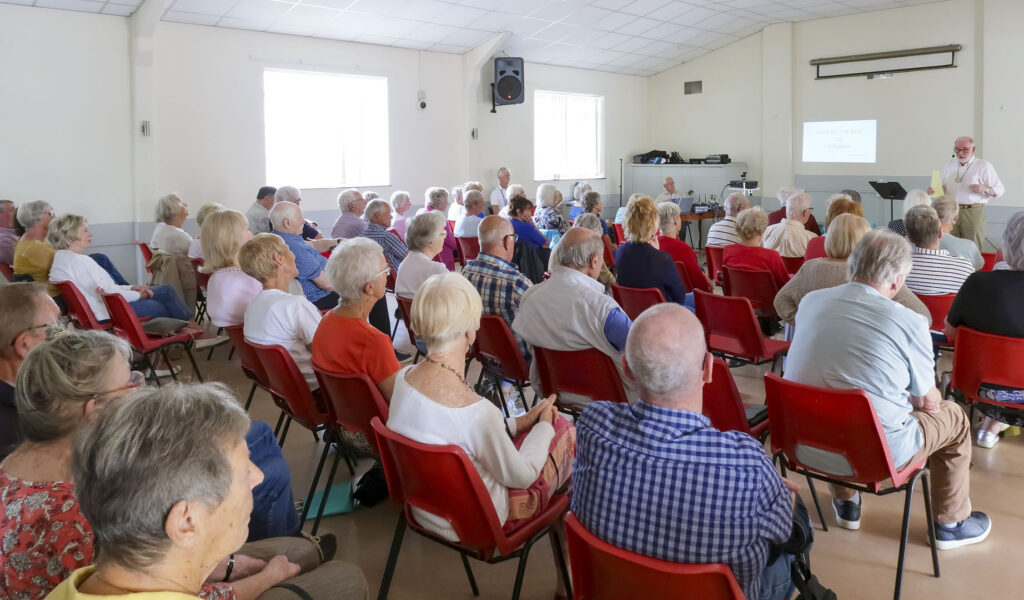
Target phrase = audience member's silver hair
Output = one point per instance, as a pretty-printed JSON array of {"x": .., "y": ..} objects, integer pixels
[
  {"x": 353, "y": 264},
  {"x": 879, "y": 258},
  {"x": 145, "y": 453},
  {"x": 30, "y": 212},
  {"x": 579, "y": 190},
  {"x": 915, "y": 198},
  {"x": 658, "y": 364},
  {"x": 436, "y": 197},
  {"x": 785, "y": 193},
  {"x": 375, "y": 207},
  {"x": 456, "y": 194},
  {"x": 502, "y": 171},
  {"x": 947, "y": 209},
  {"x": 1013, "y": 241},
  {"x": 797, "y": 204},
  {"x": 370, "y": 196},
  {"x": 577, "y": 254},
  {"x": 736, "y": 202},
  {"x": 400, "y": 199},
  {"x": 423, "y": 229},
  {"x": 589, "y": 200},
  {"x": 668, "y": 212},
  {"x": 473, "y": 197},
  {"x": 514, "y": 190},
  {"x": 167, "y": 208},
  {"x": 63, "y": 231},
  {"x": 923, "y": 226},
  {"x": 590, "y": 221},
  {"x": 853, "y": 194},
  {"x": 284, "y": 210},
  {"x": 546, "y": 195},
  {"x": 346, "y": 198},
  {"x": 288, "y": 193},
  {"x": 834, "y": 197}
]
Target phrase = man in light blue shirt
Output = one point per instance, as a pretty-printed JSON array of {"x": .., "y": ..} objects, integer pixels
[
  {"x": 855, "y": 336},
  {"x": 948, "y": 211}
]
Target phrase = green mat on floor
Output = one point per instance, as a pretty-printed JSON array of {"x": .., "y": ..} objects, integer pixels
[{"x": 339, "y": 501}]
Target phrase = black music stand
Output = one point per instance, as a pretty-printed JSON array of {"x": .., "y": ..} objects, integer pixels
[{"x": 889, "y": 190}]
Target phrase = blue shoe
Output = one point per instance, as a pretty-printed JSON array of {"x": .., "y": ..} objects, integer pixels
[
  {"x": 971, "y": 530},
  {"x": 847, "y": 513}
]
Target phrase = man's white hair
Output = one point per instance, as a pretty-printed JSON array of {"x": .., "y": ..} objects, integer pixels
[
  {"x": 879, "y": 258},
  {"x": 736, "y": 202},
  {"x": 346, "y": 198},
  {"x": 915, "y": 198},
  {"x": 376, "y": 207},
  {"x": 502, "y": 171},
  {"x": 287, "y": 193},
  {"x": 785, "y": 193},
  {"x": 797, "y": 204},
  {"x": 284, "y": 210}
]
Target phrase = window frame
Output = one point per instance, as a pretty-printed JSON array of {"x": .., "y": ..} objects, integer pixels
[{"x": 556, "y": 173}]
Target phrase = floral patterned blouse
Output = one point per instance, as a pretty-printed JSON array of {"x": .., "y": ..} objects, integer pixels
[
  {"x": 550, "y": 218},
  {"x": 44, "y": 537}
]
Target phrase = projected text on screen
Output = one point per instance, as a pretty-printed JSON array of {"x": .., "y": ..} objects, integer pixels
[{"x": 840, "y": 141}]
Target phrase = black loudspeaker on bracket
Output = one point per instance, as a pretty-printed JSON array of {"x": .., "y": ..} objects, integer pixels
[{"x": 494, "y": 107}]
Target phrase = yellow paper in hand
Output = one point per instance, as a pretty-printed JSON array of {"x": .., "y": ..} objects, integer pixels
[{"x": 937, "y": 185}]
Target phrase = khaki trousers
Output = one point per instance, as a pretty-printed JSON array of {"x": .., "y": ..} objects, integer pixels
[
  {"x": 334, "y": 579},
  {"x": 947, "y": 445},
  {"x": 970, "y": 225}
]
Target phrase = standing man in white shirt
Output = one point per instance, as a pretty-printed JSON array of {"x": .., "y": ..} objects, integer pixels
[
  {"x": 669, "y": 195},
  {"x": 973, "y": 182},
  {"x": 258, "y": 214},
  {"x": 499, "y": 197}
]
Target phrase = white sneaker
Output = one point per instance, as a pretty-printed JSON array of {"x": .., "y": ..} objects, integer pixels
[
  {"x": 167, "y": 372},
  {"x": 987, "y": 439},
  {"x": 203, "y": 344}
]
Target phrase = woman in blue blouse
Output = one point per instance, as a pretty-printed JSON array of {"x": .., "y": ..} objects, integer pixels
[
  {"x": 519, "y": 212},
  {"x": 639, "y": 263}
]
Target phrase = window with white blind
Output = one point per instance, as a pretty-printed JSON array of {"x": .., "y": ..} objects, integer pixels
[
  {"x": 568, "y": 136},
  {"x": 325, "y": 130}
]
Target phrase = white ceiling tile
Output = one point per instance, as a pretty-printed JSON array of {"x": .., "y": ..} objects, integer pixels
[
  {"x": 190, "y": 18},
  {"x": 258, "y": 10},
  {"x": 715, "y": 22},
  {"x": 244, "y": 24},
  {"x": 484, "y": 4},
  {"x": 19, "y": 2},
  {"x": 120, "y": 10},
  {"x": 412, "y": 44},
  {"x": 633, "y": 45},
  {"x": 431, "y": 33},
  {"x": 663, "y": 31},
  {"x": 555, "y": 32},
  {"x": 521, "y": 7},
  {"x": 613, "y": 21},
  {"x": 610, "y": 40},
  {"x": 313, "y": 16},
  {"x": 91, "y": 6},
  {"x": 458, "y": 16},
  {"x": 203, "y": 7},
  {"x": 379, "y": 7},
  {"x": 335, "y": 4},
  {"x": 684, "y": 35},
  {"x": 291, "y": 29},
  {"x": 587, "y": 15},
  {"x": 448, "y": 48},
  {"x": 468, "y": 37},
  {"x": 611, "y": 4},
  {"x": 694, "y": 16},
  {"x": 705, "y": 39},
  {"x": 556, "y": 11},
  {"x": 644, "y": 7},
  {"x": 639, "y": 27}
]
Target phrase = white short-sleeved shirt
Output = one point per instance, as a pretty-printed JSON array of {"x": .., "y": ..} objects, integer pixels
[
  {"x": 468, "y": 226},
  {"x": 276, "y": 317},
  {"x": 83, "y": 271},
  {"x": 170, "y": 239},
  {"x": 414, "y": 270},
  {"x": 499, "y": 197}
]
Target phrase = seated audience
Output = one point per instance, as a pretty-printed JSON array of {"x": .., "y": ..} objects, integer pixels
[
  {"x": 286, "y": 219},
  {"x": 935, "y": 271},
  {"x": 400, "y": 205},
  {"x": 350, "y": 223},
  {"x": 275, "y": 317},
  {"x": 838, "y": 204},
  {"x": 990, "y": 302},
  {"x": 519, "y": 209},
  {"x": 378, "y": 218},
  {"x": 437, "y": 200},
  {"x": 576, "y": 207},
  {"x": 892, "y": 361},
  {"x": 670, "y": 222},
  {"x": 469, "y": 222},
  {"x": 456, "y": 208},
  {"x": 287, "y": 193},
  {"x": 432, "y": 404},
  {"x": 427, "y": 234},
  {"x": 842, "y": 234},
  {"x": 914, "y": 198},
  {"x": 591, "y": 222},
  {"x": 229, "y": 290},
  {"x": 788, "y": 236},
  {"x": 749, "y": 253},
  {"x": 185, "y": 502},
  {"x": 570, "y": 311},
  {"x": 168, "y": 236},
  {"x": 32, "y": 255},
  {"x": 639, "y": 263},
  {"x": 685, "y": 475},
  {"x": 723, "y": 231},
  {"x": 548, "y": 215},
  {"x": 591, "y": 204},
  {"x": 195, "y": 249},
  {"x": 515, "y": 191},
  {"x": 621, "y": 213},
  {"x": 28, "y": 310},
  {"x": 855, "y": 196},
  {"x": 949, "y": 211},
  {"x": 500, "y": 283},
  {"x": 359, "y": 273},
  {"x": 258, "y": 214},
  {"x": 8, "y": 235},
  {"x": 777, "y": 216},
  {"x": 474, "y": 185}
]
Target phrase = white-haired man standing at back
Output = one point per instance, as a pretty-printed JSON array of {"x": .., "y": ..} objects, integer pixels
[
  {"x": 499, "y": 197},
  {"x": 350, "y": 223},
  {"x": 723, "y": 232},
  {"x": 789, "y": 237}
]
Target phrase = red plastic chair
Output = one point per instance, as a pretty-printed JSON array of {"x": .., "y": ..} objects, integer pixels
[
  {"x": 601, "y": 571},
  {"x": 815, "y": 249},
  {"x": 758, "y": 286},
  {"x": 405, "y": 311},
  {"x": 128, "y": 325},
  {"x": 793, "y": 263},
  {"x": 715, "y": 257},
  {"x": 636, "y": 300},
  {"x": 251, "y": 365},
  {"x": 990, "y": 261},
  {"x": 938, "y": 307},
  {"x": 609, "y": 253},
  {"x": 7, "y": 271},
  {"x": 451, "y": 225},
  {"x": 723, "y": 404},
  {"x": 835, "y": 436},
  {"x": 469, "y": 248},
  {"x": 501, "y": 358},
  {"x": 147, "y": 255},
  {"x": 620, "y": 233},
  {"x": 587, "y": 373},
  {"x": 684, "y": 276},
  {"x": 731, "y": 329},
  {"x": 413, "y": 471},
  {"x": 79, "y": 310},
  {"x": 989, "y": 358}
]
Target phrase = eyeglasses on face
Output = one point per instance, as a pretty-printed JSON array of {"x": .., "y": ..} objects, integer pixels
[
  {"x": 135, "y": 380},
  {"x": 514, "y": 236}
]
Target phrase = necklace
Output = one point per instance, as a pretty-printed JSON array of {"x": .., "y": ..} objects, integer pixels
[
  {"x": 446, "y": 366},
  {"x": 960, "y": 176}
]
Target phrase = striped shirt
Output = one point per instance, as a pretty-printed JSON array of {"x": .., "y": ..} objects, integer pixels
[
  {"x": 937, "y": 272},
  {"x": 501, "y": 285},
  {"x": 723, "y": 233},
  {"x": 663, "y": 483}
]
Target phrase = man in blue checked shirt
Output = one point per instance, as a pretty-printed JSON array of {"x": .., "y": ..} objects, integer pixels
[{"x": 654, "y": 477}]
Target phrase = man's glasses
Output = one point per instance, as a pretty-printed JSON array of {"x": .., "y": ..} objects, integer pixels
[
  {"x": 61, "y": 324},
  {"x": 514, "y": 236}
]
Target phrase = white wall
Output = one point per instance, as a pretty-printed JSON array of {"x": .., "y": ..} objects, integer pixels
[{"x": 1002, "y": 131}]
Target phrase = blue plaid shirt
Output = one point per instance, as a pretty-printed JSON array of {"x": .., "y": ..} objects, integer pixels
[
  {"x": 501, "y": 285},
  {"x": 309, "y": 262},
  {"x": 662, "y": 482},
  {"x": 394, "y": 248}
]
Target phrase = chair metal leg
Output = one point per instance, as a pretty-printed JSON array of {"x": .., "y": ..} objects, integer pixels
[
  {"x": 469, "y": 574},
  {"x": 327, "y": 491},
  {"x": 152, "y": 368},
  {"x": 904, "y": 532},
  {"x": 231, "y": 354},
  {"x": 163, "y": 354},
  {"x": 926, "y": 484},
  {"x": 563, "y": 567},
  {"x": 284, "y": 432},
  {"x": 192, "y": 359},
  {"x": 252, "y": 392},
  {"x": 389, "y": 569},
  {"x": 501, "y": 396},
  {"x": 521, "y": 569},
  {"x": 277, "y": 428},
  {"x": 817, "y": 504},
  {"x": 316, "y": 480}
]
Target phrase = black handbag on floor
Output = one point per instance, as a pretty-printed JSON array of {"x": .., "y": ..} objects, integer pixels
[{"x": 799, "y": 541}]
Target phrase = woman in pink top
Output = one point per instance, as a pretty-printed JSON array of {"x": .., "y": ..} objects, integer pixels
[
  {"x": 748, "y": 254},
  {"x": 229, "y": 290}
]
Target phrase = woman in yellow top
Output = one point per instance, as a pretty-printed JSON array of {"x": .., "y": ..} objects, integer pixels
[{"x": 32, "y": 255}]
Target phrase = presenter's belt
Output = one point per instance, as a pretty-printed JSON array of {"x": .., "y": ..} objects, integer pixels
[{"x": 978, "y": 205}]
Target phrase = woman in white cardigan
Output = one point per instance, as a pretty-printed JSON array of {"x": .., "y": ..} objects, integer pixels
[{"x": 522, "y": 460}]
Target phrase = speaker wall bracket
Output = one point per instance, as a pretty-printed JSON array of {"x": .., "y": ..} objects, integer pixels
[{"x": 494, "y": 107}]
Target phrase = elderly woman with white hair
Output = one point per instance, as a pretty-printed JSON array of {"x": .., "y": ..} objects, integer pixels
[
  {"x": 168, "y": 236},
  {"x": 914, "y": 198},
  {"x": 437, "y": 201},
  {"x": 990, "y": 302},
  {"x": 359, "y": 273},
  {"x": 670, "y": 222},
  {"x": 195, "y": 250},
  {"x": 548, "y": 216},
  {"x": 32, "y": 255},
  {"x": 578, "y": 191},
  {"x": 433, "y": 404},
  {"x": 427, "y": 235},
  {"x": 400, "y": 205}
]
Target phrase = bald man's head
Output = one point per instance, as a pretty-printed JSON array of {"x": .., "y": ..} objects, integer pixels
[
  {"x": 665, "y": 353},
  {"x": 495, "y": 234},
  {"x": 577, "y": 249},
  {"x": 286, "y": 217}
]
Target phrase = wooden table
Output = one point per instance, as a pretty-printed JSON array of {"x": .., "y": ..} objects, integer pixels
[{"x": 690, "y": 217}]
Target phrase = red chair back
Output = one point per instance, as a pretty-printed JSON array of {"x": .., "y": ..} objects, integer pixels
[
  {"x": 147, "y": 254},
  {"x": 469, "y": 248},
  {"x": 78, "y": 308},
  {"x": 609, "y": 252},
  {"x": 989, "y": 358},
  {"x": 7, "y": 271},
  {"x": 715, "y": 257},
  {"x": 601, "y": 571},
  {"x": 127, "y": 323},
  {"x": 496, "y": 343},
  {"x": 352, "y": 401},
  {"x": 793, "y": 263},
  {"x": 451, "y": 225},
  {"x": 389, "y": 285},
  {"x": 202, "y": 279},
  {"x": 289, "y": 387},
  {"x": 730, "y": 325},
  {"x": 620, "y": 233},
  {"x": 722, "y": 402},
  {"x": 815, "y": 249},
  {"x": 636, "y": 300},
  {"x": 938, "y": 307},
  {"x": 405, "y": 310},
  {"x": 584, "y": 372},
  {"x": 990, "y": 260},
  {"x": 247, "y": 356},
  {"x": 758, "y": 286},
  {"x": 829, "y": 431},
  {"x": 684, "y": 275}
]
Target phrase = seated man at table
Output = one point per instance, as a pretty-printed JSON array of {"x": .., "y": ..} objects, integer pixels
[
  {"x": 695, "y": 494},
  {"x": 789, "y": 236},
  {"x": 286, "y": 219},
  {"x": 854, "y": 336}
]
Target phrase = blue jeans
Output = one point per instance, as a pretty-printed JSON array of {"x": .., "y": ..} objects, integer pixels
[
  {"x": 104, "y": 261},
  {"x": 689, "y": 303},
  {"x": 777, "y": 578},
  {"x": 166, "y": 302},
  {"x": 273, "y": 508}
]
